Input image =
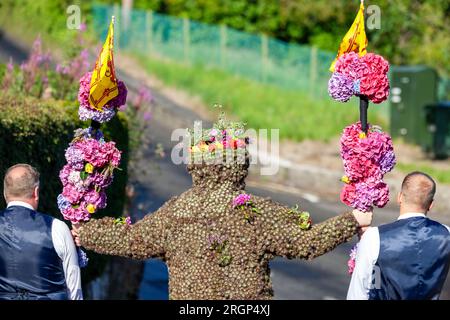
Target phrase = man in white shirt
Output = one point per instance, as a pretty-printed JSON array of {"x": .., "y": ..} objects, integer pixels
[
  {"x": 406, "y": 259},
  {"x": 38, "y": 258}
]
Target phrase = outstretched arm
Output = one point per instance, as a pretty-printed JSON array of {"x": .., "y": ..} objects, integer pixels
[
  {"x": 284, "y": 236},
  {"x": 142, "y": 240}
]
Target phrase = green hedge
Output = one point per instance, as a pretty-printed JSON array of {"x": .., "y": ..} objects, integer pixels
[{"x": 38, "y": 132}]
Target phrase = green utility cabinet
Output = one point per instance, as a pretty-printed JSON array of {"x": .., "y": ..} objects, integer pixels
[
  {"x": 438, "y": 120},
  {"x": 412, "y": 89}
]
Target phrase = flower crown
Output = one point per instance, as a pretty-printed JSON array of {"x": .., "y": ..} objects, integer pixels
[
  {"x": 225, "y": 138},
  {"x": 354, "y": 75}
]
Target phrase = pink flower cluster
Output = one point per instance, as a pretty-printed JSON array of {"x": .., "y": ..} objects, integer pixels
[
  {"x": 368, "y": 74},
  {"x": 89, "y": 170},
  {"x": 86, "y": 111},
  {"x": 366, "y": 159},
  {"x": 241, "y": 200},
  {"x": 351, "y": 263}
]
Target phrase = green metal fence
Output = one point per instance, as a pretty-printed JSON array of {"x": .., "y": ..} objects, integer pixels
[{"x": 256, "y": 57}]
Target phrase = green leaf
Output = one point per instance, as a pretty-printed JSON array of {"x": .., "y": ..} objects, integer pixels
[{"x": 84, "y": 175}]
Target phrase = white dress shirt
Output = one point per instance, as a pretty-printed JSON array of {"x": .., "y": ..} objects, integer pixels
[
  {"x": 366, "y": 257},
  {"x": 67, "y": 252}
]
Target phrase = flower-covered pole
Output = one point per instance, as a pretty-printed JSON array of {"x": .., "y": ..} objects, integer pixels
[
  {"x": 91, "y": 161},
  {"x": 366, "y": 151}
]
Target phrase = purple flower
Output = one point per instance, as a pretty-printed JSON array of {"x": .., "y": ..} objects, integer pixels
[
  {"x": 63, "y": 203},
  {"x": 144, "y": 97},
  {"x": 82, "y": 27},
  {"x": 340, "y": 87},
  {"x": 388, "y": 161},
  {"x": 370, "y": 193},
  {"x": 10, "y": 66},
  {"x": 241, "y": 200},
  {"x": 92, "y": 114},
  {"x": 87, "y": 133},
  {"x": 82, "y": 258},
  {"x": 75, "y": 157},
  {"x": 98, "y": 199},
  {"x": 215, "y": 240},
  {"x": 147, "y": 116},
  {"x": 121, "y": 98},
  {"x": 64, "y": 174},
  {"x": 8, "y": 78},
  {"x": 128, "y": 221},
  {"x": 100, "y": 180}
]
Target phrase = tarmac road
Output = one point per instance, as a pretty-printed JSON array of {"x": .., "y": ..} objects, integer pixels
[{"x": 323, "y": 278}]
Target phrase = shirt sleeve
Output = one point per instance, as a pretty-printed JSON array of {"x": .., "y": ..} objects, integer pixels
[
  {"x": 67, "y": 252},
  {"x": 448, "y": 228},
  {"x": 366, "y": 257}
]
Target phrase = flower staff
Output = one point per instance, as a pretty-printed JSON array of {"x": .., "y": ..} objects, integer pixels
[
  {"x": 367, "y": 152},
  {"x": 91, "y": 160}
]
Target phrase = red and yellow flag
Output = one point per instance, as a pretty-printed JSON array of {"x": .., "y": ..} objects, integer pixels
[
  {"x": 103, "y": 81},
  {"x": 355, "y": 39}
]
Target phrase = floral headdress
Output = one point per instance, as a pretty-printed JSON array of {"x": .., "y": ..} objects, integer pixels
[{"x": 225, "y": 139}]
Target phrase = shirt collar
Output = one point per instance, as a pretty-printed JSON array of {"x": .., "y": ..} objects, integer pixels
[
  {"x": 20, "y": 204},
  {"x": 411, "y": 215}
]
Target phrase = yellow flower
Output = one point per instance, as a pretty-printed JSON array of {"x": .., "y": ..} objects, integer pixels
[
  {"x": 219, "y": 145},
  {"x": 91, "y": 208},
  {"x": 362, "y": 135},
  {"x": 195, "y": 149},
  {"x": 89, "y": 168},
  {"x": 204, "y": 147},
  {"x": 345, "y": 179}
]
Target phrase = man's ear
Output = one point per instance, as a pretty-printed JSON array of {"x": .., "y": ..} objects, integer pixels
[
  {"x": 431, "y": 205},
  {"x": 399, "y": 197},
  {"x": 36, "y": 193}
]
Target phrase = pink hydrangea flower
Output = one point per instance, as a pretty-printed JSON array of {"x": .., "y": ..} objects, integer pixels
[
  {"x": 369, "y": 72},
  {"x": 366, "y": 160},
  {"x": 72, "y": 193},
  {"x": 241, "y": 200}
]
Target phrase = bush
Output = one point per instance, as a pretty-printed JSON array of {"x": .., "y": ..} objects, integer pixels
[{"x": 38, "y": 132}]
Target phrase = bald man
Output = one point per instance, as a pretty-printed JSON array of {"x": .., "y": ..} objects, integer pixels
[
  {"x": 408, "y": 259},
  {"x": 38, "y": 258}
]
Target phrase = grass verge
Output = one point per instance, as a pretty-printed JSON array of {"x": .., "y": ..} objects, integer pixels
[{"x": 442, "y": 176}]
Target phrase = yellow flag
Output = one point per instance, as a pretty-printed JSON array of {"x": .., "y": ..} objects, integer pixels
[
  {"x": 103, "y": 81},
  {"x": 355, "y": 40}
]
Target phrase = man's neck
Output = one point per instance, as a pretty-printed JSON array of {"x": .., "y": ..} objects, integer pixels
[
  {"x": 22, "y": 203},
  {"x": 411, "y": 212}
]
